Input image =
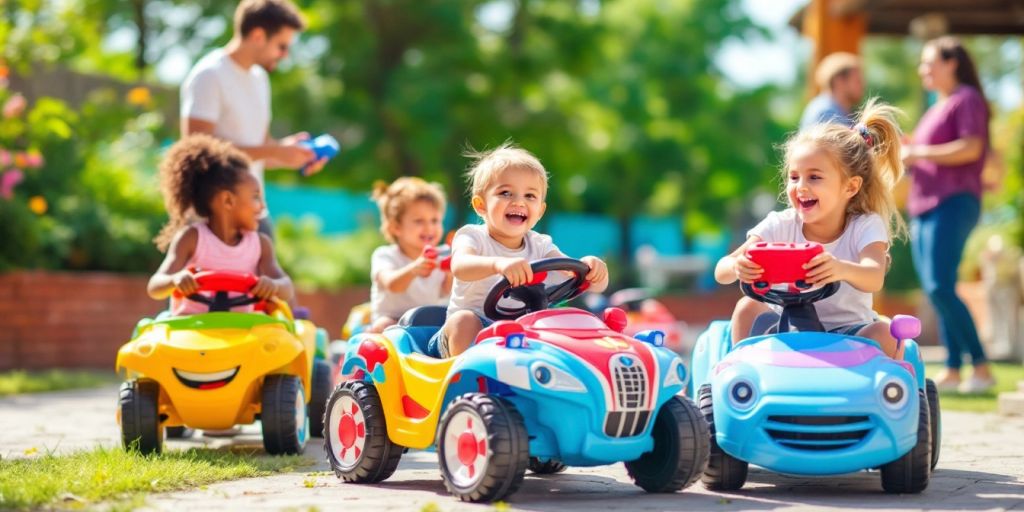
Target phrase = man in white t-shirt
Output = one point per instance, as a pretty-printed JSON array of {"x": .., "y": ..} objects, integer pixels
[{"x": 227, "y": 93}]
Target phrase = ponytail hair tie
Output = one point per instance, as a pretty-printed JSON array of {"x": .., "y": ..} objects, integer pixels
[{"x": 866, "y": 135}]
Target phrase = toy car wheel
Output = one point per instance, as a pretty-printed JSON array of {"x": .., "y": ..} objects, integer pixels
[
  {"x": 320, "y": 392},
  {"x": 680, "y": 451},
  {"x": 724, "y": 472},
  {"x": 909, "y": 474},
  {"x": 545, "y": 467},
  {"x": 482, "y": 447},
  {"x": 140, "y": 421},
  {"x": 356, "y": 435},
  {"x": 179, "y": 432},
  {"x": 935, "y": 415},
  {"x": 285, "y": 424}
]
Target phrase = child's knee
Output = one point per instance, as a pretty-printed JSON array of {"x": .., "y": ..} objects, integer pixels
[
  {"x": 460, "y": 329},
  {"x": 879, "y": 331}
]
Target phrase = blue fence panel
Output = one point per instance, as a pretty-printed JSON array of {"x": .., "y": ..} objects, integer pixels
[
  {"x": 665, "y": 234},
  {"x": 583, "y": 234}
]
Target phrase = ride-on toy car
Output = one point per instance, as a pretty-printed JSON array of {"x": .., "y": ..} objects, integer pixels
[
  {"x": 643, "y": 312},
  {"x": 540, "y": 389},
  {"x": 218, "y": 369},
  {"x": 811, "y": 402}
]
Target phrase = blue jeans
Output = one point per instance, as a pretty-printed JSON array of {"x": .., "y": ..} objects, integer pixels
[{"x": 937, "y": 239}]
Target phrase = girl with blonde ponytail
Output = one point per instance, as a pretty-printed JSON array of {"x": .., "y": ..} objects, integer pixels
[{"x": 839, "y": 184}]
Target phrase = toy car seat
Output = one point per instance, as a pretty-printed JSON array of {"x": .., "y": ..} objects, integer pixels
[{"x": 420, "y": 324}]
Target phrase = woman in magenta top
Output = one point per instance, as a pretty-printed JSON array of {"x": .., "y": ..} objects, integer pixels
[{"x": 945, "y": 158}]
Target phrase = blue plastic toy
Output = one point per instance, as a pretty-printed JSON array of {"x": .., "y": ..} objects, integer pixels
[
  {"x": 324, "y": 146},
  {"x": 543, "y": 389},
  {"x": 810, "y": 402}
]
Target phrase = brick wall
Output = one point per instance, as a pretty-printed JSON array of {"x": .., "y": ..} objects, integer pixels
[{"x": 78, "y": 320}]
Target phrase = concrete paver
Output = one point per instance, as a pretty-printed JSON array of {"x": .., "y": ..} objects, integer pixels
[{"x": 982, "y": 468}]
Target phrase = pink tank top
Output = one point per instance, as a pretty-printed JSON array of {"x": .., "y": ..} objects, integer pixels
[{"x": 213, "y": 254}]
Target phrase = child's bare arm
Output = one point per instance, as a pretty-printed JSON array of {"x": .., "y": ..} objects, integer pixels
[
  {"x": 866, "y": 275},
  {"x": 273, "y": 280},
  {"x": 467, "y": 265},
  {"x": 172, "y": 272},
  {"x": 737, "y": 266},
  {"x": 398, "y": 280}
]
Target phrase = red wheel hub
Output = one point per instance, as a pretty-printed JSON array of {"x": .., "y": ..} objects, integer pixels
[{"x": 347, "y": 431}]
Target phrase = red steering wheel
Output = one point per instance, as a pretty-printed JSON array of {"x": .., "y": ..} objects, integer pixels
[{"x": 220, "y": 283}]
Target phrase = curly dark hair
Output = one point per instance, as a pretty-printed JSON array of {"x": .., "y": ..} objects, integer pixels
[
  {"x": 270, "y": 15},
  {"x": 192, "y": 172}
]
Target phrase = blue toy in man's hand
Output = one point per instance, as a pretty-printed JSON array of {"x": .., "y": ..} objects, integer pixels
[{"x": 324, "y": 146}]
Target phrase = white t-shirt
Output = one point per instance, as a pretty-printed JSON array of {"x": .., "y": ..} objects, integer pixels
[
  {"x": 849, "y": 306},
  {"x": 471, "y": 294},
  {"x": 422, "y": 291},
  {"x": 236, "y": 100}
]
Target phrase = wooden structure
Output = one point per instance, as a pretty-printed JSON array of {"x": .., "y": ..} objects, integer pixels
[{"x": 839, "y": 25}]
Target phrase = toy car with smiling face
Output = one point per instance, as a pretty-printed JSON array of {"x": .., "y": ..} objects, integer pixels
[
  {"x": 811, "y": 402},
  {"x": 542, "y": 389},
  {"x": 218, "y": 369}
]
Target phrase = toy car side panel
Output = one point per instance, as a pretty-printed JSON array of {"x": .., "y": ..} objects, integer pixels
[{"x": 712, "y": 345}]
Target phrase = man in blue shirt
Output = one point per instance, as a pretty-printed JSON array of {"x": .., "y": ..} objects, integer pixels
[{"x": 840, "y": 79}]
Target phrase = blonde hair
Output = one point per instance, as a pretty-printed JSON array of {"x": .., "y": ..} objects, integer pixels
[
  {"x": 394, "y": 199},
  {"x": 870, "y": 150},
  {"x": 834, "y": 65},
  {"x": 487, "y": 165}
]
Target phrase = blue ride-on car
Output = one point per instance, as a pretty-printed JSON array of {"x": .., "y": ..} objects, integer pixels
[
  {"x": 802, "y": 401},
  {"x": 543, "y": 389}
]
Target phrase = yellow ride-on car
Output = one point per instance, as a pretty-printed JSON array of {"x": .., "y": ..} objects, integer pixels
[{"x": 219, "y": 369}]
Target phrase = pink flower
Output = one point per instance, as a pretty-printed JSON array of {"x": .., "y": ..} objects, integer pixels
[
  {"x": 8, "y": 181},
  {"x": 5, "y": 158},
  {"x": 33, "y": 159},
  {"x": 14, "y": 106}
]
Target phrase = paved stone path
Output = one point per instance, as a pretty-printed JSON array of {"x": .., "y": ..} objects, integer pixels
[{"x": 982, "y": 468}]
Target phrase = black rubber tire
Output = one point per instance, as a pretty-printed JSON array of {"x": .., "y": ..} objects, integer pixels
[
  {"x": 140, "y": 419},
  {"x": 681, "y": 449},
  {"x": 910, "y": 473},
  {"x": 935, "y": 417},
  {"x": 724, "y": 472},
  {"x": 380, "y": 456},
  {"x": 280, "y": 431},
  {"x": 508, "y": 448},
  {"x": 320, "y": 392},
  {"x": 179, "y": 432},
  {"x": 545, "y": 467}
]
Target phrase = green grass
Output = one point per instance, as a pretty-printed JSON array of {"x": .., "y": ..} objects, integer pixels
[
  {"x": 79, "y": 479},
  {"x": 1006, "y": 375},
  {"x": 21, "y": 381}
]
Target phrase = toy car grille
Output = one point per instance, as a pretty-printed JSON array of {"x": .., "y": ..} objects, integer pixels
[
  {"x": 630, "y": 381},
  {"x": 818, "y": 433}
]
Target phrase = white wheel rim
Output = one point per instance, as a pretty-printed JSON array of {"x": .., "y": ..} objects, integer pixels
[
  {"x": 465, "y": 449},
  {"x": 347, "y": 432},
  {"x": 301, "y": 419}
]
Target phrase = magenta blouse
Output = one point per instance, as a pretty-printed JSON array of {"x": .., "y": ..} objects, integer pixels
[{"x": 963, "y": 114}]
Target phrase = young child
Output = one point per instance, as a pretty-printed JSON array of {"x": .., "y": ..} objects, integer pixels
[
  {"x": 411, "y": 213},
  {"x": 839, "y": 186},
  {"x": 508, "y": 186},
  {"x": 211, "y": 178}
]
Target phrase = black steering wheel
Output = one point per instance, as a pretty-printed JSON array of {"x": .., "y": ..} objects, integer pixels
[
  {"x": 786, "y": 298},
  {"x": 537, "y": 296}
]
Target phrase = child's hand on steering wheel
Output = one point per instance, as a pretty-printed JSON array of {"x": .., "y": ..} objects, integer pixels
[
  {"x": 824, "y": 268},
  {"x": 746, "y": 270},
  {"x": 516, "y": 270},
  {"x": 265, "y": 288},
  {"x": 185, "y": 283},
  {"x": 598, "y": 269}
]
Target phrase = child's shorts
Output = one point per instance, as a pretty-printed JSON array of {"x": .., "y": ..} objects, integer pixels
[
  {"x": 766, "y": 323},
  {"x": 438, "y": 344}
]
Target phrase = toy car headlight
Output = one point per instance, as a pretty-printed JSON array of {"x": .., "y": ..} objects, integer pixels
[
  {"x": 742, "y": 394},
  {"x": 676, "y": 375},
  {"x": 555, "y": 379},
  {"x": 654, "y": 337},
  {"x": 894, "y": 394}
]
